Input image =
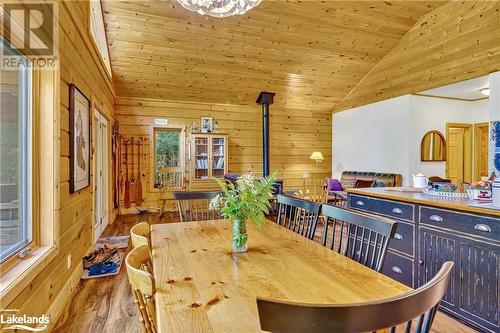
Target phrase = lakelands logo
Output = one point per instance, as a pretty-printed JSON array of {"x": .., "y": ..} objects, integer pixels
[
  {"x": 29, "y": 34},
  {"x": 10, "y": 321}
]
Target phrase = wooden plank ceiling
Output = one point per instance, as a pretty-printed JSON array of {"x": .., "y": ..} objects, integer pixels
[{"x": 312, "y": 53}]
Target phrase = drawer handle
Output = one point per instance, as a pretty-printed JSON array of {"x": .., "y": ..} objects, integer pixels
[
  {"x": 398, "y": 236},
  {"x": 482, "y": 227},
  {"x": 360, "y": 203},
  {"x": 397, "y": 211},
  {"x": 436, "y": 218},
  {"x": 396, "y": 269}
]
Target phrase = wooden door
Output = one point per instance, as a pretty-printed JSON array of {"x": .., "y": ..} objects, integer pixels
[
  {"x": 478, "y": 296},
  {"x": 459, "y": 152},
  {"x": 101, "y": 180},
  {"x": 481, "y": 141},
  {"x": 201, "y": 160},
  {"x": 435, "y": 249},
  {"x": 218, "y": 156}
]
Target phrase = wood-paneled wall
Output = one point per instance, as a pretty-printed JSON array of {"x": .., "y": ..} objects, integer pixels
[
  {"x": 455, "y": 42},
  {"x": 79, "y": 64},
  {"x": 295, "y": 134}
]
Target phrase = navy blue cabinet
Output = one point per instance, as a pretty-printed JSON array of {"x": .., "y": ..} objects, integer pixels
[
  {"x": 435, "y": 249},
  {"x": 478, "y": 282},
  {"x": 427, "y": 237}
]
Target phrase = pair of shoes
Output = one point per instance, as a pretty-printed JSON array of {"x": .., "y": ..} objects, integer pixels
[
  {"x": 99, "y": 256},
  {"x": 103, "y": 268}
]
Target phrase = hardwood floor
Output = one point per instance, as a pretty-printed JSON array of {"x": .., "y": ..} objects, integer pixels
[{"x": 106, "y": 304}]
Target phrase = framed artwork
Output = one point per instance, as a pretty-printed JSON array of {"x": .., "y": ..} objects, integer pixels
[
  {"x": 79, "y": 140},
  {"x": 207, "y": 124}
]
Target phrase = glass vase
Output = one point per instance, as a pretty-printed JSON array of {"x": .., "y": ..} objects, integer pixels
[{"x": 240, "y": 236}]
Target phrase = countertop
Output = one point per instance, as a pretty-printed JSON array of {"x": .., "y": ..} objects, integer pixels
[{"x": 461, "y": 204}]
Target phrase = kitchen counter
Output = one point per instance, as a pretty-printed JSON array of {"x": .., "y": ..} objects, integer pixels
[
  {"x": 460, "y": 204},
  {"x": 432, "y": 230}
]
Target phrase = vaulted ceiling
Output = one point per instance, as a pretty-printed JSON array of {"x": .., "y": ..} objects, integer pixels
[{"x": 311, "y": 53}]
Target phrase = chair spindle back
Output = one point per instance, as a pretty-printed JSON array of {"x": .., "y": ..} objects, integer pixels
[
  {"x": 299, "y": 215},
  {"x": 195, "y": 205},
  {"x": 359, "y": 236}
]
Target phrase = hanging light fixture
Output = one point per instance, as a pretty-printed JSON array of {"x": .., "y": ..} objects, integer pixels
[{"x": 219, "y": 8}]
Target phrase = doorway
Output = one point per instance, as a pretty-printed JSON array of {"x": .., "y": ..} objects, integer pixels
[
  {"x": 459, "y": 152},
  {"x": 481, "y": 149},
  {"x": 101, "y": 180}
]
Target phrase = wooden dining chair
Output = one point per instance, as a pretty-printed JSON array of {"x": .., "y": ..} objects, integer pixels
[
  {"x": 422, "y": 303},
  {"x": 314, "y": 189},
  {"x": 299, "y": 215},
  {"x": 143, "y": 286},
  {"x": 360, "y": 236},
  {"x": 170, "y": 179},
  {"x": 194, "y": 205},
  {"x": 140, "y": 234}
]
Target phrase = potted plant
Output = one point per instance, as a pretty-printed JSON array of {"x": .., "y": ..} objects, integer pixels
[{"x": 249, "y": 200}]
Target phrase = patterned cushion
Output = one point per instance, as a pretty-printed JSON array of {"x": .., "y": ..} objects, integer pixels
[
  {"x": 360, "y": 183},
  {"x": 378, "y": 183},
  {"x": 349, "y": 178}
]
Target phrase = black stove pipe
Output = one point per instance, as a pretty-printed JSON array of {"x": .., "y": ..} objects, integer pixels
[{"x": 265, "y": 99}]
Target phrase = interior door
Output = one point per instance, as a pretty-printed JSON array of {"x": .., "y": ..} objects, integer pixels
[
  {"x": 101, "y": 155},
  {"x": 459, "y": 152},
  {"x": 481, "y": 150},
  {"x": 218, "y": 157}
]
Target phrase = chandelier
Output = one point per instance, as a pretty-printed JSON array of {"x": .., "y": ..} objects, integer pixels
[{"x": 219, "y": 8}]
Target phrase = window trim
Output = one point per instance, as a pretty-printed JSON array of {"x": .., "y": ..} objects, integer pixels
[
  {"x": 25, "y": 90},
  {"x": 105, "y": 59},
  {"x": 152, "y": 151},
  {"x": 18, "y": 273}
]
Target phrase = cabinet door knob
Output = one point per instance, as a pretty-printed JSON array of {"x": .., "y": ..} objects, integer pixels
[
  {"x": 396, "y": 269},
  {"x": 420, "y": 262},
  {"x": 482, "y": 227},
  {"x": 360, "y": 203},
  {"x": 398, "y": 236},
  {"x": 436, "y": 218},
  {"x": 397, "y": 211}
]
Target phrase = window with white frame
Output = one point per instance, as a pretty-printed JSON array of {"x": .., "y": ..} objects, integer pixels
[
  {"x": 98, "y": 32},
  {"x": 16, "y": 122}
]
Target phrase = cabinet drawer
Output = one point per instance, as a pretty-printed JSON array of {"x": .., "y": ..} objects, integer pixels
[
  {"x": 397, "y": 210},
  {"x": 403, "y": 239},
  {"x": 398, "y": 268},
  {"x": 470, "y": 224}
]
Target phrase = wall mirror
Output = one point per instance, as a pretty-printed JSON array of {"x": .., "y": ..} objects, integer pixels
[{"x": 433, "y": 147}]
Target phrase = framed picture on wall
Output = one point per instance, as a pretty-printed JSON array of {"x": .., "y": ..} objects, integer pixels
[
  {"x": 207, "y": 124},
  {"x": 79, "y": 140}
]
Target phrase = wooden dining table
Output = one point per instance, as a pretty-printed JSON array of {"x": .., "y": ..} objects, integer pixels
[{"x": 202, "y": 286}]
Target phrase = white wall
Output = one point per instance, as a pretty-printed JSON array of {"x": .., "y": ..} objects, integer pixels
[
  {"x": 386, "y": 136},
  {"x": 428, "y": 114},
  {"x": 373, "y": 138}
]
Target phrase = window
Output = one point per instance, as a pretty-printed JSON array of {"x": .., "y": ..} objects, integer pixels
[
  {"x": 167, "y": 153},
  {"x": 15, "y": 157},
  {"x": 98, "y": 32},
  {"x": 29, "y": 169}
]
